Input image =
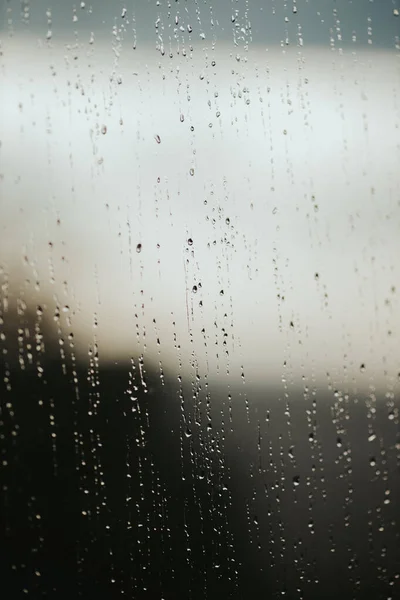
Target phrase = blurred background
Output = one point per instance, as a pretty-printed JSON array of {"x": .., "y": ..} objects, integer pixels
[{"x": 217, "y": 415}]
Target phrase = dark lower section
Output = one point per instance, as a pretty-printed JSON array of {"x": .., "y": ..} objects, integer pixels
[{"x": 184, "y": 493}]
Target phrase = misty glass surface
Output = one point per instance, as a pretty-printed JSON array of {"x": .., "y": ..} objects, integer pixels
[{"x": 199, "y": 299}]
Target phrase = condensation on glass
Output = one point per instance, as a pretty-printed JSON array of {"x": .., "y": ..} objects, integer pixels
[{"x": 199, "y": 310}]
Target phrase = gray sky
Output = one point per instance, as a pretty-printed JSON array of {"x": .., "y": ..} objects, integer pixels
[{"x": 256, "y": 21}]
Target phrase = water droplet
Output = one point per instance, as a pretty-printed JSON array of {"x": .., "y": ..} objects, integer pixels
[{"x": 139, "y": 248}]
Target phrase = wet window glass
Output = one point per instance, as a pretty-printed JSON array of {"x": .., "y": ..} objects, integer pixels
[{"x": 199, "y": 299}]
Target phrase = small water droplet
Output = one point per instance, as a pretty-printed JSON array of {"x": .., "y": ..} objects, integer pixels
[{"x": 139, "y": 248}]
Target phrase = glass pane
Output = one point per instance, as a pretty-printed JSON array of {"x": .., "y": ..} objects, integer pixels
[{"x": 199, "y": 242}]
